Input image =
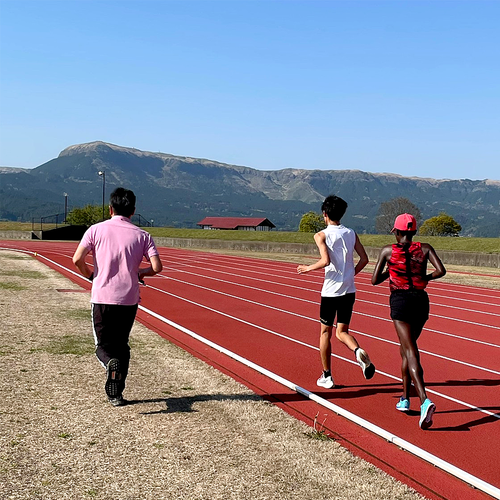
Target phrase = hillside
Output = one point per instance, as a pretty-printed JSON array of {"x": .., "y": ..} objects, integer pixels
[{"x": 180, "y": 191}]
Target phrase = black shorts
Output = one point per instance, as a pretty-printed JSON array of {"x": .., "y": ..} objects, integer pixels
[
  {"x": 410, "y": 306},
  {"x": 340, "y": 306}
]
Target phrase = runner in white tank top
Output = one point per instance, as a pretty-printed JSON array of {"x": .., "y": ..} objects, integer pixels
[
  {"x": 336, "y": 245},
  {"x": 339, "y": 274}
]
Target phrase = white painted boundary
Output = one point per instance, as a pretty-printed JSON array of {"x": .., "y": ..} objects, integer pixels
[
  {"x": 392, "y": 438},
  {"x": 388, "y": 436}
]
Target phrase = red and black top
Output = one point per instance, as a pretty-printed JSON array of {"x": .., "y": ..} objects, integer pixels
[{"x": 407, "y": 267}]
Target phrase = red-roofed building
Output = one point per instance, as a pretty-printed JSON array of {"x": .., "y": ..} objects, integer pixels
[{"x": 237, "y": 223}]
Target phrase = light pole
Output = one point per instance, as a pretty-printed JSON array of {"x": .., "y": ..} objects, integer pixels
[
  {"x": 65, "y": 207},
  {"x": 103, "y": 174}
]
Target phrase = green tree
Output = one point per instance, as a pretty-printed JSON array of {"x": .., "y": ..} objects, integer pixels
[
  {"x": 311, "y": 222},
  {"x": 389, "y": 210},
  {"x": 441, "y": 225},
  {"x": 86, "y": 216}
]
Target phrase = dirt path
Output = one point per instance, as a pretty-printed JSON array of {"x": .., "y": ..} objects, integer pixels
[{"x": 192, "y": 432}]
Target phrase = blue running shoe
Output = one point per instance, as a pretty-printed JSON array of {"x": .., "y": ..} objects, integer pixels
[
  {"x": 426, "y": 411},
  {"x": 403, "y": 404}
]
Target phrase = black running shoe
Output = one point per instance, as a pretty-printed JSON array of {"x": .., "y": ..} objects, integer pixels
[
  {"x": 119, "y": 401},
  {"x": 113, "y": 379}
]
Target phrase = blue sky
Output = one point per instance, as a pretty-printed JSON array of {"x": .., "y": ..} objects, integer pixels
[{"x": 404, "y": 86}]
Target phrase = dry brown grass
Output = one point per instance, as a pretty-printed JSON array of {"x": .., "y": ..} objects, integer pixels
[{"x": 192, "y": 432}]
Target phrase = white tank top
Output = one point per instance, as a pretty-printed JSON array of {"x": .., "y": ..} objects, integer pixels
[{"x": 339, "y": 274}]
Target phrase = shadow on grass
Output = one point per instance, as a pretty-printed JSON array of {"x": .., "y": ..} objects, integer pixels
[{"x": 185, "y": 404}]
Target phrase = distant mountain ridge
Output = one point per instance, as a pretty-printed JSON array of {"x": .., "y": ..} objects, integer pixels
[{"x": 180, "y": 191}]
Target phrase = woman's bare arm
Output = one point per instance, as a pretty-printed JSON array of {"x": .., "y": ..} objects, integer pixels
[{"x": 379, "y": 275}]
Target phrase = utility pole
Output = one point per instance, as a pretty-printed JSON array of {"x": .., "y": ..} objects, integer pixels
[{"x": 103, "y": 174}]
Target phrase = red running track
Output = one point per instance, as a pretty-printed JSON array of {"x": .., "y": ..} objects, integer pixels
[{"x": 265, "y": 312}]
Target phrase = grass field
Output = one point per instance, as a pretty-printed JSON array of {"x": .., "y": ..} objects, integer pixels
[{"x": 484, "y": 245}]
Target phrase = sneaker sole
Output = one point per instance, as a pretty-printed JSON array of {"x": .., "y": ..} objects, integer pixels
[
  {"x": 117, "y": 401},
  {"x": 404, "y": 410},
  {"x": 369, "y": 371},
  {"x": 112, "y": 386},
  {"x": 326, "y": 386},
  {"x": 426, "y": 420}
]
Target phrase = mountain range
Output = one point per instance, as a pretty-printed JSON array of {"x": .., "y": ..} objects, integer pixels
[{"x": 180, "y": 191}]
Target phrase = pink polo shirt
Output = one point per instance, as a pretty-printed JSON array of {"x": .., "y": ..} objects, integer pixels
[{"x": 118, "y": 248}]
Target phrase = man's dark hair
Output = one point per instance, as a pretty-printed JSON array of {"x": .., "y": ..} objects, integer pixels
[
  {"x": 334, "y": 207},
  {"x": 122, "y": 201}
]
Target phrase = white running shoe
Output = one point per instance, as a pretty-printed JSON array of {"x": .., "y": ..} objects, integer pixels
[
  {"x": 326, "y": 382},
  {"x": 364, "y": 361}
]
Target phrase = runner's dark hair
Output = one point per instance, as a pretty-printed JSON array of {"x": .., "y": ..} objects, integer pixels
[
  {"x": 122, "y": 201},
  {"x": 334, "y": 207}
]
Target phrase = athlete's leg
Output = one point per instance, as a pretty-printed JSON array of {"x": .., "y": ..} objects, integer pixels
[
  {"x": 325, "y": 346},
  {"x": 100, "y": 330},
  {"x": 342, "y": 333},
  {"x": 361, "y": 355},
  {"x": 344, "y": 313},
  {"x": 405, "y": 374},
  {"x": 112, "y": 326},
  {"x": 409, "y": 352}
]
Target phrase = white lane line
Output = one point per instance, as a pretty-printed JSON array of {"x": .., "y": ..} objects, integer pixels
[
  {"x": 360, "y": 300},
  {"x": 191, "y": 273},
  {"x": 445, "y": 317},
  {"x": 260, "y": 280},
  {"x": 307, "y": 318},
  {"x": 363, "y": 276},
  {"x": 267, "y": 306},
  {"x": 78, "y": 275},
  {"x": 392, "y": 438},
  {"x": 37, "y": 254},
  {"x": 456, "y": 288},
  {"x": 432, "y": 294},
  {"x": 438, "y": 332}
]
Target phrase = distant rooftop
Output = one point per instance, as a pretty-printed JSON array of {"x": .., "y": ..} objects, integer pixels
[{"x": 241, "y": 223}]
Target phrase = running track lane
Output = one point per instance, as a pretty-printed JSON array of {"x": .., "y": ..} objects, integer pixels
[{"x": 203, "y": 293}]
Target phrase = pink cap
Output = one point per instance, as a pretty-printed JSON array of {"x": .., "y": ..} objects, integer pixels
[{"x": 405, "y": 222}]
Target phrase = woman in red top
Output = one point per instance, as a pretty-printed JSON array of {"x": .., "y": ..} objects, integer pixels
[{"x": 407, "y": 272}]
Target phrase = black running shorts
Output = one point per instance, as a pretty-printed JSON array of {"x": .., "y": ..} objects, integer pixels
[
  {"x": 340, "y": 306},
  {"x": 410, "y": 306}
]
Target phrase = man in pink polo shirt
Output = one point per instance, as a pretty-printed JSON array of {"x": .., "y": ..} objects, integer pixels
[{"x": 117, "y": 247}]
